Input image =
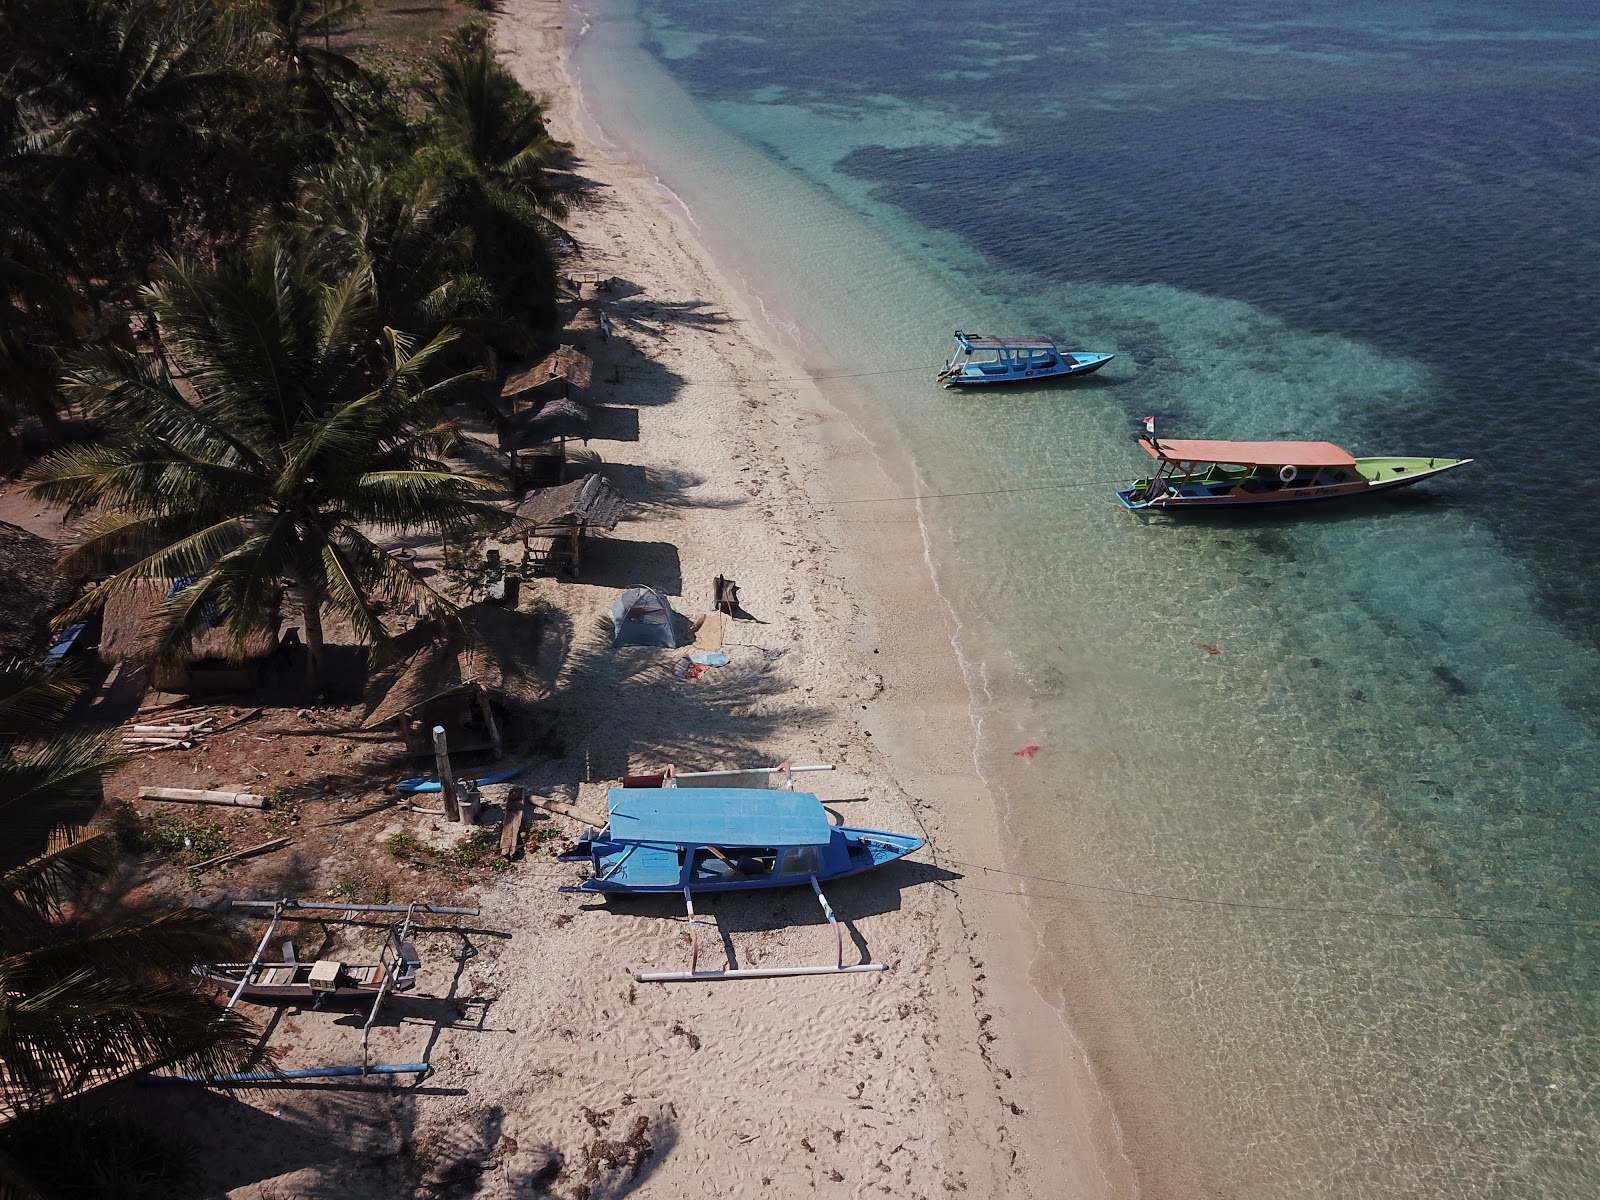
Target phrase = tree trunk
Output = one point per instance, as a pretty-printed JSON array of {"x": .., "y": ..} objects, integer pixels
[{"x": 311, "y": 611}]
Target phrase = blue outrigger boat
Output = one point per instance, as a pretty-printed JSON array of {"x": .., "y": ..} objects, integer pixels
[
  {"x": 669, "y": 840},
  {"x": 1013, "y": 359},
  {"x": 726, "y": 840}
]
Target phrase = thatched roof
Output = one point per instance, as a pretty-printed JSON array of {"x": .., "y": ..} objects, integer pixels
[
  {"x": 133, "y": 623},
  {"x": 591, "y": 502},
  {"x": 565, "y": 362},
  {"x": 35, "y": 591},
  {"x": 554, "y": 419},
  {"x": 491, "y": 647}
]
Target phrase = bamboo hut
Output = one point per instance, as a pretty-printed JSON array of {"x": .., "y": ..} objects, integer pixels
[
  {"x": 557, "y": 375},
  {"x": 133, "y": 624},
  {"x": 35, "y": 592},
  {"x": 468, "y": 677},
  {"x": 556, "y": 520},
  {"x": 540, "y": 412}
]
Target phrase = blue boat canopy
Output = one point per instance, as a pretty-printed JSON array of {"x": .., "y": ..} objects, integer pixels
[{"x": 718, "y": 817}]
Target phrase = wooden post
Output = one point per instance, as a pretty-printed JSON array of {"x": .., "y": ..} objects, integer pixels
[
  {"x": 489, "y": 722},
  {"x": 511, "y": 827},
  {"x": 447, "y": 781}
]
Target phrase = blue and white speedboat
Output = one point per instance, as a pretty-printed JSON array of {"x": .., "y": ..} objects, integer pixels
[{"x": 1008, "y": 359}]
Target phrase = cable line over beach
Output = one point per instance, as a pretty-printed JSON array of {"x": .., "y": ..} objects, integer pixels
[{"x": 1261, "y": 906}]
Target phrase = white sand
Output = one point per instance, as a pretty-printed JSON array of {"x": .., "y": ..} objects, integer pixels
[{"x": 943, "y": 1075}]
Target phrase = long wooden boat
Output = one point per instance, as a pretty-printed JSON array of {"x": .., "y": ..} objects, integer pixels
[
  {"x": 1206, "y": 475},
  {"x": 1013, "y": 359},
  {"x": 321, "y": 980},
  {"x": 726, "y": 839}
]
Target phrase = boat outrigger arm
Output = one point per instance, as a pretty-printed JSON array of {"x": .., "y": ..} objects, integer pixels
[{"x": 693, "y": 975}]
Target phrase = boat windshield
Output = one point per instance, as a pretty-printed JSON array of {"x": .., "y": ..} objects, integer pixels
[{"x": 734, "y": 862}]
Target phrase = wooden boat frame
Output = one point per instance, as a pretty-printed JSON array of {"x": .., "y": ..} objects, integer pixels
[
  {"x": 291, "y": 909},
  {"x": 1209, "y": 475},
  {"x": 1017, "y": 358}
]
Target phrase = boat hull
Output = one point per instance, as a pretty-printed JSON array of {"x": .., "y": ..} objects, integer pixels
[
  {"x": 972, "y": 375},
  {"x": 1379, "y": 475},
  {"x": 850, "y": 852}
]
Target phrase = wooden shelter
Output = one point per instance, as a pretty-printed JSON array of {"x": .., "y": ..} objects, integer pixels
[
  {"x": 555, "y": 376},
  {"x": 133, "y": 624},
  {"x": 557, "y": 518},
  {"x": 540, "y": 412},
  {"x": 35, "y": 591},
  {"x": 466, "y": 676}
]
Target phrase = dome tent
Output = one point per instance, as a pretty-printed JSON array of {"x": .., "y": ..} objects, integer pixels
[{"x": 642, "y": 617}]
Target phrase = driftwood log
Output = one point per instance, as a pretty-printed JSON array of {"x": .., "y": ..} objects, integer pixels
[
  {"x": 200, "y": 796},
  {"x": 566, "y": 810},
  {"x": 263, "y": 848}
]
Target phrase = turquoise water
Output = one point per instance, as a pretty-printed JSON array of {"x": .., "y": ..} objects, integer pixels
[{"x": 1363, "y": 738}]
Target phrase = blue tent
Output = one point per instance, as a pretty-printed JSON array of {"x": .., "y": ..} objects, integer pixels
[{"x": 642, "y": 617}]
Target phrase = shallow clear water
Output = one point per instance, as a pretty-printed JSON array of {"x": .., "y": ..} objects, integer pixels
[{"x": 1364, "y": 737}]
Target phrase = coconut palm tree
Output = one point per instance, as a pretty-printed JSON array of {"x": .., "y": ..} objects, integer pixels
[
  {"x": 312, "y": 72},
  {"x": 89, "y": 991},
  {"x": 495, "y": 157},
  {"x": 396, "y": 220},
  {"x": 141, "y": 98},
  {"x": 481, "y": 112},
  {"x": 291, "y": 441}
]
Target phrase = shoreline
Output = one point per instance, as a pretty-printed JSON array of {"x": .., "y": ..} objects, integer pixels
[{"x": 1055, "y": 1128}]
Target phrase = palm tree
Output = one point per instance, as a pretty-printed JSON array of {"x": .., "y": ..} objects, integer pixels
[
  {"x": 396, "y": 221},
  {"x": 481, "y": 112},
  {"x": 141, "y": 98},
  {"x": 88, "y": 991},
  {"x": 292, "y": 440},
  {"x": 313, "y": 72},
  {"x": 495, "y": 155}
]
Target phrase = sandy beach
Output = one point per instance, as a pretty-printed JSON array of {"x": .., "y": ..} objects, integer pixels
[{"x": 553, "y": 1072}]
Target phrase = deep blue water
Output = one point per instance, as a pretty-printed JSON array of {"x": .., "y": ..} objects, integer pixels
[
  {"x": 1422, "y": 178},
  {"x": 1377, "y": 225}
]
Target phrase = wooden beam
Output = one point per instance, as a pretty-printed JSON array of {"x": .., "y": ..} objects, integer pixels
[
  {"x": 489, "y": 722},
  {"x": 198, "y": 796}
]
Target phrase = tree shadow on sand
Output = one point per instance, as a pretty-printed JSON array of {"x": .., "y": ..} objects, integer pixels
[{"x": 731, "y": 715}]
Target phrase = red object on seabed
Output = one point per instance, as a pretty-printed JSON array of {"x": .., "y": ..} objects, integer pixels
[{"x": 1026, "y": 752}]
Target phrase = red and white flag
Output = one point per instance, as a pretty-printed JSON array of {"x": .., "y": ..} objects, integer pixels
[{"x": 1149, "y": 424}]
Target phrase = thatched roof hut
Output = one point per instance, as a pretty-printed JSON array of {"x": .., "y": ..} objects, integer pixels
[
  {"x": 133, "y": 625},
  {"x": 457, "y": 676},
  {"x": 35, "y": 591},
  {"x": 554, "y": 420},
  {"x": 592, "y": 502},
  {"x": 557, "y": 518},
  {"x": 564, "y": 362}
]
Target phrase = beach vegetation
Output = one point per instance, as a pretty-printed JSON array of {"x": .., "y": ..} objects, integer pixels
[
  {"x": 138, "y": 132},
  {"x": 291, "y": 438},
  {"x": 92, "y": 987}
]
